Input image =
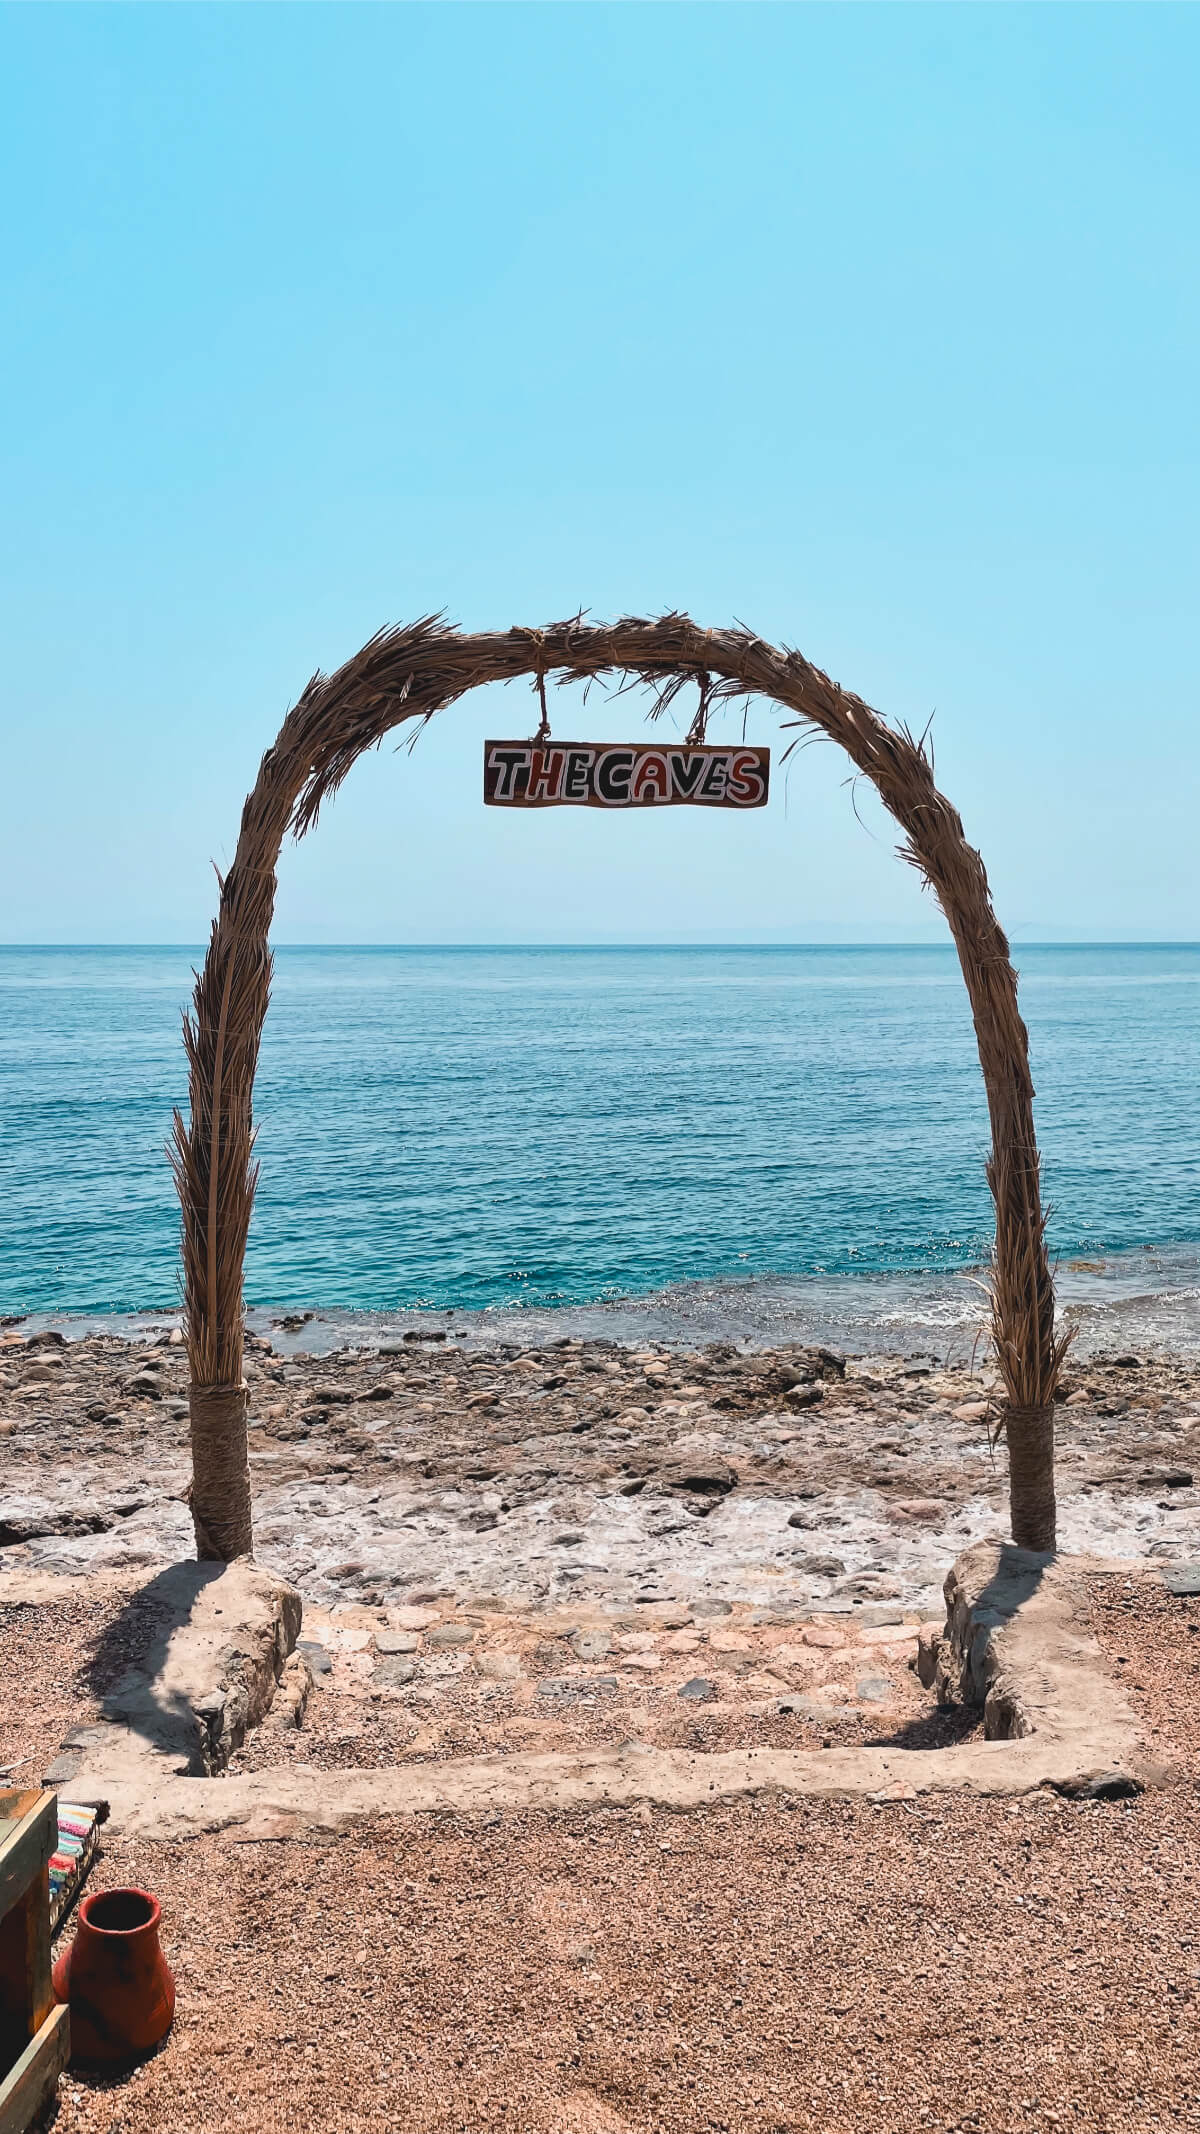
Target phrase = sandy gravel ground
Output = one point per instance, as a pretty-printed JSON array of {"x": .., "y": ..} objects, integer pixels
[{"x": 944, "y": 1964}]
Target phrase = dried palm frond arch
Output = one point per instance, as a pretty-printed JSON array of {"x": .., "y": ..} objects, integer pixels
[{"x": 406, "y": 674}]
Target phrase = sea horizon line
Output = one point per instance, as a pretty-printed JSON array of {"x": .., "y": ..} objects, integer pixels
[{"x": 1148, "y": 941}]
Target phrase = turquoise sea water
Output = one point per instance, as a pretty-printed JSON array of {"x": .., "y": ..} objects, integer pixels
[{"x": 474, "y": 1128}]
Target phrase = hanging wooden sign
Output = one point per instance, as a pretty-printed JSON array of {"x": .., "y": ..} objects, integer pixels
[{"x": 604, "y": 774}]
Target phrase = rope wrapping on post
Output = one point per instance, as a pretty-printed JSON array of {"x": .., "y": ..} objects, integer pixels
[
  {"x": 1030, "y": 1434},
  {"x": 220, "y": 1492}
]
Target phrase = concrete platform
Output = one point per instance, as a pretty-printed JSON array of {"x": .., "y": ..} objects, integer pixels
[{"x": 1016, "y": 1641}]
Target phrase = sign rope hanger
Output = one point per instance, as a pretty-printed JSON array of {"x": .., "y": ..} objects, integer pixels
[
  {"x": 540, "y": 773},
  {"x": 401, "y": 678}
]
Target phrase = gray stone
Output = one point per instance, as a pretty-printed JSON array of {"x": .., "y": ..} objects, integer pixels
[
  {"x": 591, "y": 1644},
  {"x": 31, "y": 1518},
  {"x": 392, "y": 1671},
  {"x": 926, "y": 1660},
  {"x": 712, "y": 1607},
  {"x": 874, "y": 1689},
  {"x": 392, "y": 1641},
  {"x": 499, "y": 1666},
  {"x": 451, "y": 1634},
  {"x": 573, "y": 1689},
  {"x": 1105, "y": 1786},
  {"x": 871, "y": 1585},
  {"x": 820, "y": 1566},
  {"x": 63, "y": 1769},
  {"x": 319, "y": 1662},
  {"x": 706, "y": 1478},
  {"x": 1182, "y": 1578},
  {"x": 699, "y": 1690}
]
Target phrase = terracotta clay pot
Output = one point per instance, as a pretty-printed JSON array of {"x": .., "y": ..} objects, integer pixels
[{"x": 115, "y": 1979}]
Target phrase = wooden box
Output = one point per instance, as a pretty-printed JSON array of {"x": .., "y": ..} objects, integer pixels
[{"x": 35, "y": 2034}]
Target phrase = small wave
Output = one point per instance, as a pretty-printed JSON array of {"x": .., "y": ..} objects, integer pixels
[{"x": 944, "y": 1317}]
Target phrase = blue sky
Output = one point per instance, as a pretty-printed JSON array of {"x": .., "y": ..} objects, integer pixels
[{"x": 875, "y": 327}]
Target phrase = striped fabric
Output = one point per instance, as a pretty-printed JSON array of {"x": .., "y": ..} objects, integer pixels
[{"x": 72, "y": 1857}]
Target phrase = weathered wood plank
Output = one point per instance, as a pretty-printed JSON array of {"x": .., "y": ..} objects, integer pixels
[
  {"x": 26, "y": 1991},
  {"x": 25, "y": 2088},
  {"x": 28, "y": 1841}
]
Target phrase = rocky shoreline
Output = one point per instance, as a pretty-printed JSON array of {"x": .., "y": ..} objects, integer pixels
[{"x": 429, "y": 1467}]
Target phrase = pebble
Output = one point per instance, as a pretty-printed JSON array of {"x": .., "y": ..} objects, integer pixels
[
  {"x": 922, "y": 1511},
  {"x": 699, "y": 1690},
  {"x": 451, "y": 1634},
  {"x": 572, "y": 1689},
  {"x": 499, "y": 1666},
  {"x": 394, "y": 1672},
  {"x": 591, "y": 1644}
]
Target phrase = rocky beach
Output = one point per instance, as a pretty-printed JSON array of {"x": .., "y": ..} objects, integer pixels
[{"x": 430, "y": 1467}]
